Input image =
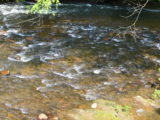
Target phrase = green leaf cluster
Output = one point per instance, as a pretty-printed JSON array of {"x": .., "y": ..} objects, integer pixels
[
  {"x": 43, "y": 6},
  {"x": 156, "y": 94}
]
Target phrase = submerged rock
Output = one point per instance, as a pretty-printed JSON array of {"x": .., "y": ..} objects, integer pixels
[
  {"x": 106, "y": 110},
  {"x": 146, "y": 102}
]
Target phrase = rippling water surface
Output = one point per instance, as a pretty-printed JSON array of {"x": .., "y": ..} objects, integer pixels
[{"x": 58, "y": 63}]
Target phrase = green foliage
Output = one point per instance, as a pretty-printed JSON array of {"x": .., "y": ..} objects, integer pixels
[
  {"x": 156, "y": 94},
  {"x": 43, "y": 6},
  {"x": 125, "y": 108}
]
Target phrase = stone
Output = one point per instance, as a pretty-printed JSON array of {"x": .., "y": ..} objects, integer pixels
[
  {"x": 94, "y": 105},
  {"x": 140, "y": 111},
  {"x": 42, "y": 116},
  {"x": 146, "y": 102}
]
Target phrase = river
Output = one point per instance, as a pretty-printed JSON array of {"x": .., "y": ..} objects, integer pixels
[{"x": 60, "y": 62}]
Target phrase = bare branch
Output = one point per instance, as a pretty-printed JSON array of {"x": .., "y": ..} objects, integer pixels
[{"x": 131, "y": 29}]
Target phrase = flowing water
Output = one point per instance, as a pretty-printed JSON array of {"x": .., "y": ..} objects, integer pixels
[{"x": 61, "y": 62}]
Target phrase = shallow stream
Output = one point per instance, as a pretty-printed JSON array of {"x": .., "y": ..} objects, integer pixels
[{"x": 61, "y": 62}]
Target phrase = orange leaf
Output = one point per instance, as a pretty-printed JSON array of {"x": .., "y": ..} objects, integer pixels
[{"x": 4, "y": 72}]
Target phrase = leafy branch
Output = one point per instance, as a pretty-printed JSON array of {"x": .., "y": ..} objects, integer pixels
[{"x": 43, "y": 6}]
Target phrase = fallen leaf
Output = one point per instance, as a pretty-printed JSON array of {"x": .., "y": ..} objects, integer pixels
[{"x": 4, "y": 72}]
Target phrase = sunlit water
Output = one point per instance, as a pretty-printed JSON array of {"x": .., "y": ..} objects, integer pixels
[{"x": 59, "y": 62}]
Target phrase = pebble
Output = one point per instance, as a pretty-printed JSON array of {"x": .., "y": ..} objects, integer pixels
[
  {"x": 107, "y": 83},
  {"x": 42, "y": 116},
  {"x": 94, "y": 105},
  {"x": 140, "y": 111}
]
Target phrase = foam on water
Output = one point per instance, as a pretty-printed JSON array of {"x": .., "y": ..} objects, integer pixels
[
  {"x": 66, "y": 75},
  {"x": 20, "y": 57},
  {"x": 12, "y": 9},
  {"x": 27, "y": 77},
  {"x": 78, "y": 68}
]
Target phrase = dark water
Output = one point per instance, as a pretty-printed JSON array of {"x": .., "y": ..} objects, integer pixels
[{"x": 58, "y": 63}]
